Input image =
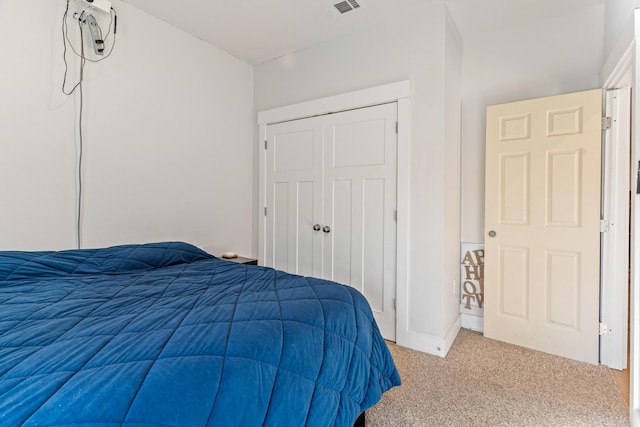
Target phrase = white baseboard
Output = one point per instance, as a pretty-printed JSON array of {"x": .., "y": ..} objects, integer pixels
[
  {"x": 475, "y": 323},
  {"x": 432, "y": 344}
]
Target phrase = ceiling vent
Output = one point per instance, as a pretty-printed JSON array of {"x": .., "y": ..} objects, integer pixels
[{"x": 343, "y": 7}]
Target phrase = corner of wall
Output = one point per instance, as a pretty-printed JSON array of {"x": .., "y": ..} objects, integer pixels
[
  {"x": 431, "y": 344},
  {"x": 452, "y": 28},
  {"x": 453, "y": 196},
  {"x": 618, "y": 52}
]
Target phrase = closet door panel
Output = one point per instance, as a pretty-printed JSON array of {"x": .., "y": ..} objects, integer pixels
[
  {"x": 339, "y": 246},
  {"x": 280, "y": 208},
  {"x": 373, "y": 242},
  {"x": 294, "y": 196},
  {"x": 360, "y": 147}
]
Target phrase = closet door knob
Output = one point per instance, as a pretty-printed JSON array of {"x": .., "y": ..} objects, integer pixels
[
  {"x": 326, "y": 229},
  {"x": 316, "y": 227}
]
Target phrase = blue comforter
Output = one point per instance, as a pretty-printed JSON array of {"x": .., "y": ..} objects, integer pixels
[{"x": 166, "y": 334}]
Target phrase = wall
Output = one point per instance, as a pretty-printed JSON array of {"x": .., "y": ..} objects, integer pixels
[
  {"x": 452, "y": 162},
  {"x": 420, "y": 48},
  {"x": 549, "y": 57},
  {"x": 618, "y": 22},
  {"x": 619, "y": 33},
  {"x": 168, "y": 126}
]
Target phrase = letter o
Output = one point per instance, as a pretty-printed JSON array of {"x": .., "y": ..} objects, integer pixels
[{"x": 467, "y": 291}]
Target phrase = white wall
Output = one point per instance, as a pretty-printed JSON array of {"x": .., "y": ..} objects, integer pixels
[
  {"x": 419, "y": 48},
  {"x": 550, "y": 57},
  {"x": 618, "y": 22},
  {"x": 619, "y": 33},
  {"x": 168, "y": 126},
  {"x": 452, "y": 162}
]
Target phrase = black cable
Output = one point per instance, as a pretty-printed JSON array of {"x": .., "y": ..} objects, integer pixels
[
  {"x": 65, "y": 38},
  {"x": 81, "y": 144},
  {"x": 78, "y": 85}
]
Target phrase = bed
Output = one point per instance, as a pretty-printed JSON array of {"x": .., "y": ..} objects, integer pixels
[{"x": 165, "y": 334}]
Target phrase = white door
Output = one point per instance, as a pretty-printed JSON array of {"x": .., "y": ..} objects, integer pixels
[
  {"x": 359, "y": 206},
  {"x": 542, "y": 224},
  {"x": 331, "y": 200},
  {"x": 294, "y": 196}
]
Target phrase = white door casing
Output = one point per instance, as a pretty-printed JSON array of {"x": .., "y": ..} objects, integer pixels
[
  {"x": 614, "y": 291},
  {"x": 542, "y": 207},
  {"x": 634, "y": 351},
  {"x": 331, "y": 199}
]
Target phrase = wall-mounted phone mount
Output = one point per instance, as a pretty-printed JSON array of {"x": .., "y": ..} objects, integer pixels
[
  {"x": 82, "y": 11},
  {"x": 96, "y": 35},
  {"x": 101, "y": 5}
]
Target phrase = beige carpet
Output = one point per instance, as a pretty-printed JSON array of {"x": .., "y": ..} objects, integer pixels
[{"x": 483, "y": 382}]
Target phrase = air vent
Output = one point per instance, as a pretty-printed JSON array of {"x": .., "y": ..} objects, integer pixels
[{"x": 343, "y": 7}]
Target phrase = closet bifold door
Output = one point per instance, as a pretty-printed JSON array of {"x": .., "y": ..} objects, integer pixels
[
  {"x": 360, "y": 151},
  {"x": 331, "y": 202},
  {"x": 294, "y": 196}
]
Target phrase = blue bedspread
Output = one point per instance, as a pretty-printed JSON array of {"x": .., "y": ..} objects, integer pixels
[{"x": 166, "y": 334}]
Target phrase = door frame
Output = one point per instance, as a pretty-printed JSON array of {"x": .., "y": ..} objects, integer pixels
[
  {"x": 614, "y": 254},
  {"x": 634, "y": 378},
  {"x": 399, "y": 92},
  {"x": 623, "y": 65}
]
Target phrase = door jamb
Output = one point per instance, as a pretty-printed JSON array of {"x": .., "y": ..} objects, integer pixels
[
  {"x": 626, "y": 68},
  {"x": 615, "y": 238}
]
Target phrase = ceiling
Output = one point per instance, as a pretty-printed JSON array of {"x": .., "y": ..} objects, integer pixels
[{"x": 256, "y": 31}]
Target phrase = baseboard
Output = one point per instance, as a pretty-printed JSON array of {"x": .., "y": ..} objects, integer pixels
[
  {"x": 452, "y": 334},
  {"x": 475, "y": 323},
  {"x": 432, "y": 344}
]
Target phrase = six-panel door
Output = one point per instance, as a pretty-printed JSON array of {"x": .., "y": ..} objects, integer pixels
[{"x": 542, "y": 224}]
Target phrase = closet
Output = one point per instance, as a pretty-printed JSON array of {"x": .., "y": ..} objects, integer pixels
[{"x": 330, "y": 202}]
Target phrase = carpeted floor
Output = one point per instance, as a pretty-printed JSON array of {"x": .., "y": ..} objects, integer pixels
[{"x": 483, "y": 382}]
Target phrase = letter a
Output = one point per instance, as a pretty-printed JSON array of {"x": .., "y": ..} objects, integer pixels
[{"x": 468, "y": 259}]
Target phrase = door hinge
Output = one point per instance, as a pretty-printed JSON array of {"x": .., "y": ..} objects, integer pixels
[
  {"x": 604, "y": 226},
  {"x": 394, "y": 303},
  {"x": 395, "y": 215},
  {"x": 604, "y": 329},
  {"x": 396, "y": 127},
  {"x": 265, "y": 144},
  {"x": 606, "y": 123},
  {"x": 265, "y": 211}
]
